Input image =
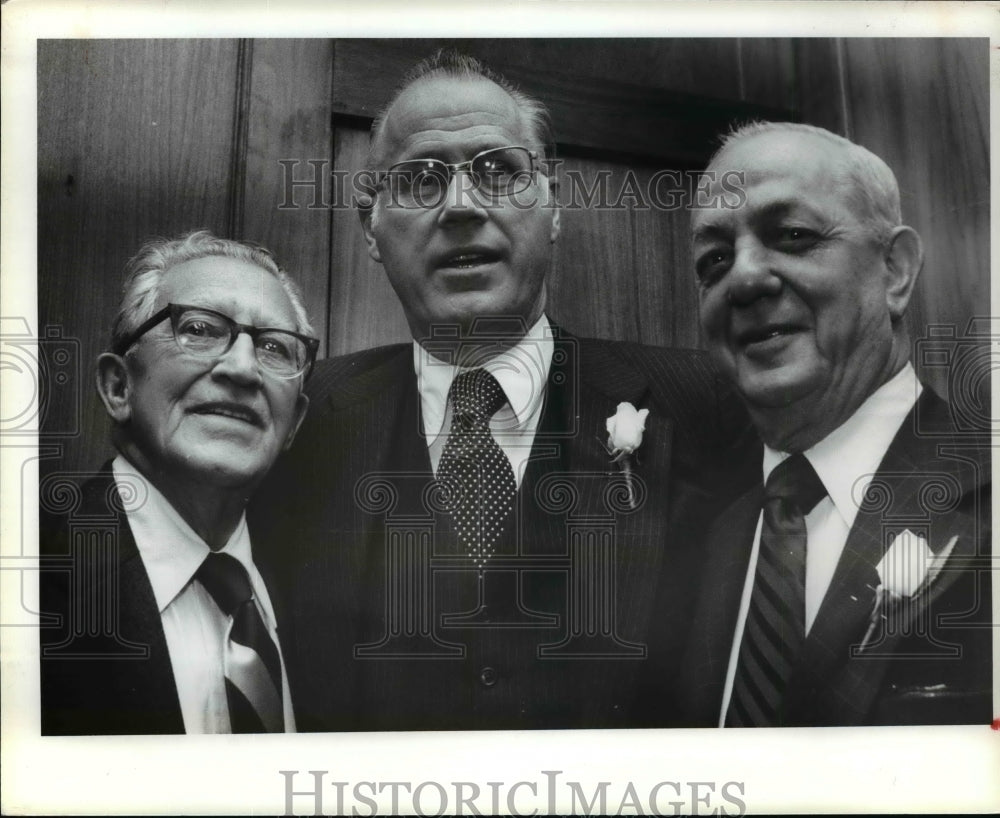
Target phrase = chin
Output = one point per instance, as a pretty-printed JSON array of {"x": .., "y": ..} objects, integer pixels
[
  {"x": 226, "y": 470},
  {"x": 487, "y": 313},
  {"x": 779, "y": 387}
]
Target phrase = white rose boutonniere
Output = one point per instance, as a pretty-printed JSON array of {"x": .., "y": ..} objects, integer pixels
[
  {"x": 905, "y": 573},
  {"x": 625, "y": 430}
]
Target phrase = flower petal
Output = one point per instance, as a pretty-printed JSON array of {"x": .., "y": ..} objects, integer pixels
[{"x": 904, "y": 566}]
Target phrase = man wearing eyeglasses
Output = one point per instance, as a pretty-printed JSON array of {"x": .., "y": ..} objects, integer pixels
[
  {"x": 466, "y": 547},
  {"x": 166, "y": 624}
]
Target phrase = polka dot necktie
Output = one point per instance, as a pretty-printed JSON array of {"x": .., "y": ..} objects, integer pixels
[
  {"x": 251, "y": 663},
  {"x": 775, "y": 629},
  {"x": 475, "y": 474}
]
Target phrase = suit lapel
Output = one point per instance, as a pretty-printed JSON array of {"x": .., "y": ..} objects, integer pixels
[
  {"x": 377, "y": 415},
  {"x": 368, "y": 450},
  {"x": 128, "y": 683},
  {"x": 152, "y": 686},
  {"x": 600, "y": 381},
  {"x": 897, "y": 499}
]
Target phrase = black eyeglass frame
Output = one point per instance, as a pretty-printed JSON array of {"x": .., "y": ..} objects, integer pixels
[
  {"x": 174, "y": 312},
  {"x": 452, "y": 170}
]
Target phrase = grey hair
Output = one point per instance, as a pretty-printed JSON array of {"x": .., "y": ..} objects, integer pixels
[
  {"x": 872, "y": 180},
  {"x": 145, "y": 270},
  {"x": 447, "y": 62}
]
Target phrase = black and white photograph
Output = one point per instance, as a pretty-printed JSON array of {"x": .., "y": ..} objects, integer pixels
[{"x": 494, "y": 418}]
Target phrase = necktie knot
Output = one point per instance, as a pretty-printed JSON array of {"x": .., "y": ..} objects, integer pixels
[
  {"x": 225, "y": 578},
  {"x": 476, "y": 394},
  {"x": 795, "y": 480}
]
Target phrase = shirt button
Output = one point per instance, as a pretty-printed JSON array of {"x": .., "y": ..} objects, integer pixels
[{"x": 488, "y": 677}]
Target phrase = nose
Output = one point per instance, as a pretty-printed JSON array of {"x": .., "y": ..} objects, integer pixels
[
  {"x": 239, "y": 364},
  {"x": 751, "y": 276},
  {"x": 461, "y": 201}
]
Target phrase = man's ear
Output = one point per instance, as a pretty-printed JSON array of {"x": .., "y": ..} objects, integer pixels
[
  {"x": 367, "y": 215},
  {"x": 114, "y": 385},
  {"x": 301, "y": 407},
  {"x": 553, "y": 203},
  {"x": 903, "y": 260}
]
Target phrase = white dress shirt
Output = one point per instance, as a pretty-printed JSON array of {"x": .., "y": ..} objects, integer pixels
[
  {"x": 194, "y": 626},
  {"x": 522, "y": 372},
  {"x": 846, "y": 461}
]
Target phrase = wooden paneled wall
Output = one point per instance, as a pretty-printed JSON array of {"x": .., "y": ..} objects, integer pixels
[
  {"x": 155, "y": 137},
  {"x": 135, "y": 140},
  {"x": 922, "y": 107}
]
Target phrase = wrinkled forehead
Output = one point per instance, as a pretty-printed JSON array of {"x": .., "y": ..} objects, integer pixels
[
  {"x": 237, "y": 288},
  {"x": 435, "y": 113},
  {"x": 785, "y": 155},
  {"x": 776, "y": 170}
]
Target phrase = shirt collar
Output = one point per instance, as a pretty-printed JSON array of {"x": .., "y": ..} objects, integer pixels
[
  {"x": 522, "y": 372},
  {"x": 846, "y": 459},
  {"x": 171, "y": 551}
]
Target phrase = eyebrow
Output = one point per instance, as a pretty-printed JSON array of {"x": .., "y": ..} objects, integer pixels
[
  {"x": 444, "y": 153},
  {"x": 228, "y": 308},
  {"x": 771, "y": 210},
  {"x": 783, "y": 207},
  {"x": 707, "y": 232}
]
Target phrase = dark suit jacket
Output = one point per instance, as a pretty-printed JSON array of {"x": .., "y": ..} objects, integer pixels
[
  {"x": 555, "y": 630},
  {"x": 932, "y": 661},
  {"x": 105, "y": 667}
]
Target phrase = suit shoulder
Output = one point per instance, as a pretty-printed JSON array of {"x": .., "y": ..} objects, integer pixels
[
  {"x": 684, "y": 383},
  {"x": 650, "y": 359},
  {"x": 680, "y": 379},
  {"x": 355, "y": 362},
  {"x": 331, "y": 371},
  {"x": 61, "y": 497},
  {"x": 674, "y": 359}
]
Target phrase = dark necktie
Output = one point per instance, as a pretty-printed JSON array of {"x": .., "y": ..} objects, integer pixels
[
  {"x": 775, "y": 626},
  {"x": 474, "y": 472},
  {"x": 251, "y": 662}
]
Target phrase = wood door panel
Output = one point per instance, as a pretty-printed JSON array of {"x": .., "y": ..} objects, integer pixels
[
  {"x": 289, "y": 120},
  {"x": 923, "y": 106},
  {"x": 364, "y": 311},
  {"x": 673, "y": 107}
]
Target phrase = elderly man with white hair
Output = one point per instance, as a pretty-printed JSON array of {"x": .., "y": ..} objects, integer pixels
[{"x": 166, "y": 624}]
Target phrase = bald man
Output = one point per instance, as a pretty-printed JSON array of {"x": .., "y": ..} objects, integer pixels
[{"x": 851, "y": 586}]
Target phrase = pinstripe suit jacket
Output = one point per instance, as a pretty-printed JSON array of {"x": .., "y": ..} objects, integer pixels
[
  {"x": 931, "y": 661},
  {"x": 391, "y": 628}
]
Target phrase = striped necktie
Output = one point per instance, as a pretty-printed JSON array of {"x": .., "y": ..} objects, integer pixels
[
  {"x": 251, "y": 663},
  {"x": 775, "y": 626},
  {"x": 474, "y": 472}
]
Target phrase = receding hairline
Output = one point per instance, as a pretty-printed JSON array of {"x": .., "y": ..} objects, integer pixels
[
  {"x": 382, "y": 122},
  {"x": 864, "y": 176},
  {"x": 738, "y": 140}
]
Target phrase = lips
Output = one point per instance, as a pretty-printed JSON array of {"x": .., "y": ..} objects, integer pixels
[
  {"x": 229, "y": 409},
  {"x": 766, "y": 332},
  {"x": 467, "y": 258}
]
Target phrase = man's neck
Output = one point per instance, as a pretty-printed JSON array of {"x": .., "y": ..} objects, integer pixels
[
  {"x": 213, "y": 512},
  {"x": 801, "y": 425},
  {"x": 472, "y": 346}
]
